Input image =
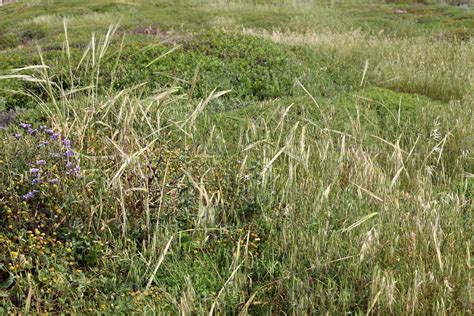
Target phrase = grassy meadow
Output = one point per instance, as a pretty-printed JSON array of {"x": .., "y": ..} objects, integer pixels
[{"x": 236, "y": 157}]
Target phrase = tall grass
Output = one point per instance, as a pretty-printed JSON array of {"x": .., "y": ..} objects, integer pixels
[
  {"x": 440, "y": 69},
  {"x": 291, "y": 206}
]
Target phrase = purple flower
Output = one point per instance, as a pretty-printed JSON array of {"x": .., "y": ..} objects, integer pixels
[
  {"x": 34, "y": 170},
  {"x": 42, "y": 144},
  {"x": 69, "y": 153},
  {"x": 32, "y": 131},
  {"x": 25, "y": 126},
  {"x": 30, "y": 195},
  {"x": 41, "y": 162},
  {"x": 36, "y": 180},
  {"x": 17, "y": 136},
  {"x": 54, "y": 136},
  {"x": 67, "y": 143},
  {"x": 69, "y": 164},
  {"x": 42, "y": 127},
  {"x": 76, "y": 171},
  {"x": 53, "y": 181}
]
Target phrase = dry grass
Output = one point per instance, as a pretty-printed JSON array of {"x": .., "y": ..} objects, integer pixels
[
  {"x": 437, "y": 68},
  {"x": 47, "y": 20}
]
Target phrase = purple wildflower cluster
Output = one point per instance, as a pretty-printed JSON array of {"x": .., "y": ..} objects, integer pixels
[
  {"x": 39, "y": 169},
  {"x": 28, "y": 128},
  {"x": 72, "y": 165},
  {"x": 30, "y": 195}
]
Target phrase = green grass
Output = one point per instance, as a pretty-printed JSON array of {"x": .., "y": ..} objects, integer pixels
[{"x": 236, "y": 158}]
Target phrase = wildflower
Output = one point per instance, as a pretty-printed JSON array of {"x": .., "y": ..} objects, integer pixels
[
  {"x": 41, "y": 162},
  {"x": 42, "y": 144},
  {"x": 49, "y": 131},
  {"x": 69, "y": 164},
  {"x": 67, "y": 143},
  {"x": 76, "y": 171},
  {"x": 25, "y": 126},
  {"x": 34, "y": 170},
  {"x": 32, "y": 131},
  {"x": 54, "y": 136},
  {"x": 42, "y": 127},
  {"x": 36, "y": 180},
  {"x": 69, "y": 153},
  {"x": 17, "y": 136},
  {"x": 30, "y": 195},
  {"x": 53, "y": 181}
]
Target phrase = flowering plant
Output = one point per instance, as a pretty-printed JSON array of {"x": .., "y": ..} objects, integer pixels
[
  {"x": 48, "y": 159},
  {"x": 40, "y": 177}
]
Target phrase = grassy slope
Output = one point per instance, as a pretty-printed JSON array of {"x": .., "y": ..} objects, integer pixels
[
  {"x": 262, "y": 200},
  {"x": 44, "y": 19}
]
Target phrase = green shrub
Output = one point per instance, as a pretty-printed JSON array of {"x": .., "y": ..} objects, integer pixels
[{"x": 255, "y": 67}]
